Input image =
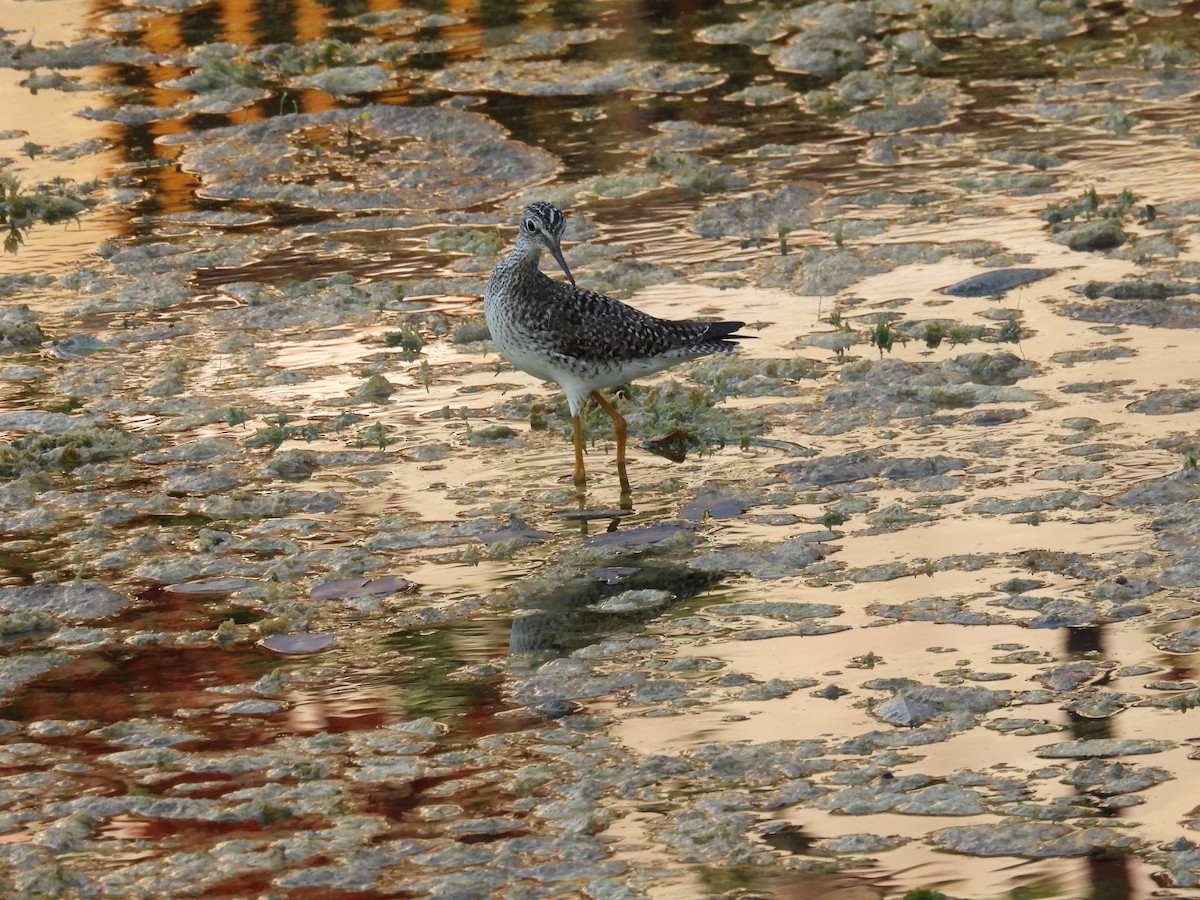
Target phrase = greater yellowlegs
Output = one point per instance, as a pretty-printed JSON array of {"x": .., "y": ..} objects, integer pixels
[{"x": 582, "y": 340}]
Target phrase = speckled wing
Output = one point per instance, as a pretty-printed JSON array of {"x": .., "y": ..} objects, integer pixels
[{"x": 591, "y": 327}]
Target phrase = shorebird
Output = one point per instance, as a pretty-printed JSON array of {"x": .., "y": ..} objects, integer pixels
[{"x": 579, "y": 339}]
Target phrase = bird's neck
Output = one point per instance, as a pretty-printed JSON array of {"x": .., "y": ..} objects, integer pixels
[
  {"x": 525, "y": 255},
  {"x": 520, "y": 264}
]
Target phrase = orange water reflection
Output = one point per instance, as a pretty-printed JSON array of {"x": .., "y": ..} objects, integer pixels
[{"x": 375, "y": 678}]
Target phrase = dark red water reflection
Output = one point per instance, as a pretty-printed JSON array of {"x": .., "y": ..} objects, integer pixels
[{"x": 189, "y": 683}]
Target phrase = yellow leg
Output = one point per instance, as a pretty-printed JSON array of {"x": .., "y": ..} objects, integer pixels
[
  {"x": 619, "y": 424},
  {"x": 626, "y": 490},
  {"x": 577, "y": 437}
]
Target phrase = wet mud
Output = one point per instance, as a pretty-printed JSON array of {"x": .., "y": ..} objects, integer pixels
[{"x": 297, "y": 597}]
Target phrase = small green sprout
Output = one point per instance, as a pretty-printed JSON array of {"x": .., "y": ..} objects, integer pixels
[
  {"x": 272, "y": 437},
  {"x": 1010, "y": 332},
  {"x": 376, "y": 434},
  {"x": 1091, "y": 200},
  {"x": 407, "y": 339},
  {"x": 831, "y": 519},
  {"x": 961, "y": 333},
  {"x": 883, "y": 338}
]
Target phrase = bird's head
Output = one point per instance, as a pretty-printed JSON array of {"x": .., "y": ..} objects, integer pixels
[{"x": 543, "y": 224}]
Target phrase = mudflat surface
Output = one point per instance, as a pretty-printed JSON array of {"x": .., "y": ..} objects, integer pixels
[{"x": 297, "y": 598}]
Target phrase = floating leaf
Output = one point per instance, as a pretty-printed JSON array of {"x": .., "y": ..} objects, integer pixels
[
  {"x": 614, "y": 574},
  {"x": 641, "y": 537},
  {"x": 221, "y": 585},
  {"x": 347, "y": 588},
  {"x": 586, "y": 515},
  {"x": 713, "y": 508},
  {"x": 297, "y": 644},
  {"x": 997, "y": 281}
]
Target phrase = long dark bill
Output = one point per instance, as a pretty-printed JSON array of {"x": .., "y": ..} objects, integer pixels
[{"x": 556, "y": 252}]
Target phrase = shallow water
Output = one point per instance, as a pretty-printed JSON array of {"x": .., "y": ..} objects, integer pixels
[{"x": 844, "y": 626}]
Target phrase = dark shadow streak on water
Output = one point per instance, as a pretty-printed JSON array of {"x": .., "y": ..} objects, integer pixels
[{"x": 564, "y": 618}]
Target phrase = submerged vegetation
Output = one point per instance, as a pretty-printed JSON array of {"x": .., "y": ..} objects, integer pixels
[
  {"x": 297, "y": 594},
  {"x": 22, "y": 207},
  {"x": 69, "y": 450}
]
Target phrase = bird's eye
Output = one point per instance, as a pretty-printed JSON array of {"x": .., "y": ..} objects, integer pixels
[{"x": 529, "y": 225}]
